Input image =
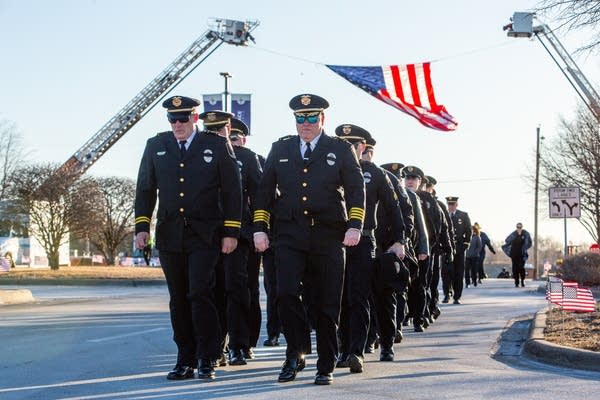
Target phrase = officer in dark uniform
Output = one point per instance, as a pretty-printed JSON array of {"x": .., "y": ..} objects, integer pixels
[
  {"x": 417, "y": 291},
  {"x": 358, "y": 280},
  {"x": 231, "y": 292},
  {"x": 199, "y": 216},
  {"x": 462, "y": 231},
  {"x": 251, "y": 171},
  {"x": 442, "y": 256},
  {"x": 319, "y": 210}
]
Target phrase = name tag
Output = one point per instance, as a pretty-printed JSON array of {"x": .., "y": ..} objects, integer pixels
[
  {"x": 283, "y": 160},
  {"x": 161, "y": 153}
]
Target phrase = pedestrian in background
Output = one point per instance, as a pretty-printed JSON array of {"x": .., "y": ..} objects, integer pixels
[
  {"x": 472, "y": 257},
  {"x": 515, "y": 246},
  {"x": 485, "y": 242}
]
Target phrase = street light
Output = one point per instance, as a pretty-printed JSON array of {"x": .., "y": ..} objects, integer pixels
[
  {"x": 226, "y": 75},
  {"x": 535, "y": 217}
]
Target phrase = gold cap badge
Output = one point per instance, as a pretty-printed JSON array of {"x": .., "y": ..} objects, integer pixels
[
  {"x": 346, "y": 129},
  {"x": 305, "y": 100},
  {"x": 176, "y": 101},
  {"x": 211, "y": 116},
  {"x": 394, "y": 166}
]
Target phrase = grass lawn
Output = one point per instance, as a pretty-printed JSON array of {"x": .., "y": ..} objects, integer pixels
[{"x": 85, "y": 272}]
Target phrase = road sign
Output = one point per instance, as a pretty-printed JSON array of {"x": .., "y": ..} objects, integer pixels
[{"x": 564, "y": 202}]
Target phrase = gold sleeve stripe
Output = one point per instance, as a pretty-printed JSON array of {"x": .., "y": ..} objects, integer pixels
[
  {"x": 262, "y": 212},
  {"x": 232, "y": 224},
  {"x": 140, "y": 220}
]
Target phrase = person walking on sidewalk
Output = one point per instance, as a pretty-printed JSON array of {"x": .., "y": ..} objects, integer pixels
[{"x": 515, "y": 246}]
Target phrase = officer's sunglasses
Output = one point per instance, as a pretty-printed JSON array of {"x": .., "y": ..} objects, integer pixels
[
  {"x": 312, "y": 119},
  {"x": 173, "y": 118}
]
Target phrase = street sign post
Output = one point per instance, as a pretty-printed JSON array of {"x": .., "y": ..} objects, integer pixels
[{"x": 564, "y": 202}]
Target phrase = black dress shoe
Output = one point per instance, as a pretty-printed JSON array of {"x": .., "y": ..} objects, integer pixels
[
  {"x": 206, "y": 369},
  {"x": 180, "y": 372},
  {"x": 248, "y": 353},
  {"x": 398, "y": 337},
  {"x": 271, "y": 341},
  {"x": 436, "y": 312},
  {"x": 370, "y": 348},
  {"x": 426, "y": 323},
  {"x": 342, "y": 361},
  {"x": 386, "y": 355},
  {"x": 418, "y": 328},
  {"x": 355, "y": 363},
  {"x": 446, "y": 299},
  {"x": 236, "y": 357},
  {"x": 323, "y": 379},
  {"x": 457, "y": 301},
  {"x": 290, "y": 368}
]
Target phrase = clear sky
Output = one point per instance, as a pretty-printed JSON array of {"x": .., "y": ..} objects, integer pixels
[{"x": 69, "y": 66}]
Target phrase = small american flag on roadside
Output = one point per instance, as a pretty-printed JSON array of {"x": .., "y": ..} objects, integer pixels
[{"x": 578, "y": 299}]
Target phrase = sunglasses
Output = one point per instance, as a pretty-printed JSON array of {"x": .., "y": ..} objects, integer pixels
[
  {"x": 312, "y": 119},
  {"x": 519, "y": 227},
  {"x": 179, "y": 118}
]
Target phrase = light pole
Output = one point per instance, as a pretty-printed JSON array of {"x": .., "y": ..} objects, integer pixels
[
  {"x": 535, "y": 217},
  {"x": 226, "y": 75}
]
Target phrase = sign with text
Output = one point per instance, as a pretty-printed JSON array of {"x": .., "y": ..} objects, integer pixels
[{"x": 564, "y": 202}]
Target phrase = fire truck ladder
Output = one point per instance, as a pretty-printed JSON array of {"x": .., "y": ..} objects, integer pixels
[
  {"x": 522, "y": 26},
  {"x": 222, "y": 31}
]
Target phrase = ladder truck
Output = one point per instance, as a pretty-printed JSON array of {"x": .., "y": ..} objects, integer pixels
[
  {"x": 220, "y": 31},
  {"x": 522, "y": 26}
]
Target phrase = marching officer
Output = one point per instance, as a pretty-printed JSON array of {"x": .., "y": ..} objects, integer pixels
[
  {"x": 232, "y": 293},
  {"x": 251, "y": 170},
  {"x": 462, "y": 238},
  {"x": 358, "y": 280},
  {"x": 199, "y": 216},
  {"x": 319, "y": 209}
]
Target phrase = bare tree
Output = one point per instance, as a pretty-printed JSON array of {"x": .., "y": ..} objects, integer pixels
[
  {"x": 572, "y": 158},
  {"x": 116, "y": 216},
  {"x": 12, "y": 154},
  {"x": 575, "y": 15},
  {"x": 56, "y": 202}
]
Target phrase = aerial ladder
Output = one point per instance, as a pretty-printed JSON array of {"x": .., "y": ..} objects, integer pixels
[
  {"x": 220, "y": 31},
  {"x": 522, "y": 26}
]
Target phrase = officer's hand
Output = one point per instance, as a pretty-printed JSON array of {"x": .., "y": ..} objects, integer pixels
[
  {"x": 352, "y": 237},
  {"x": 141, "y": 240},
  {"x": 228, "y": 245},
  {"x": 422, "y": 257},
  {"x": 398, "y": 249},
  {"x": 261, "y": 241}
]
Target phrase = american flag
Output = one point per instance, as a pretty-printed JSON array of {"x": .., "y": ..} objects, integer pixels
[
  {"x": 569, "y": 296},
  {"x": 405, "y": 87},
  {"x": 578, "y": 299}
]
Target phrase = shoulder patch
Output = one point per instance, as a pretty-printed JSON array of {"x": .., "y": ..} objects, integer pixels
[{"x": 286, "y": 137}]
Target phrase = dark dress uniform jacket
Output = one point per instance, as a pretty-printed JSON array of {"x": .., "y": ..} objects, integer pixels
[
  {"x": 328, "y": 190},
  {"x": 251, "y": 171},
  {"x": 201, "y": 191},
  {"x": 462, "y": 230}
]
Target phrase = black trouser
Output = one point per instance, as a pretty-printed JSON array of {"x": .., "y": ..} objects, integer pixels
[
  {"x": 518, "y": 269},
  {"x": 387, "y": 296},
  {"x": 471, "y": 265},
  {"x": 447, "y": 274},
  {"x": 355, "y": 313},
  {"x": 233, "y": 295},
  {"x": 417, "y": 295},
  {"x": 255, "y": 314},
  {"x": 480, "y": 270},
  {"x": 458, "y": 273},
  {"x": 434, "y": 282},
  {"x": 270, "y": 283},
  {"x": 323, "y": 273},
  {"x": 191, "y": 281},
  {"x": 373, "y": 324}
]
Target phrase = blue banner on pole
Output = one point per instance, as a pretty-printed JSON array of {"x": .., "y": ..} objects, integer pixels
[
  {"x": 240, "y": 107},
  {"x": 212, "y": 102}
]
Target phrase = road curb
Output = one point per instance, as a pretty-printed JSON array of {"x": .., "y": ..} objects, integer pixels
[
  {"x": 550, "y": 353},
  {"x": 15, "y": 296}
]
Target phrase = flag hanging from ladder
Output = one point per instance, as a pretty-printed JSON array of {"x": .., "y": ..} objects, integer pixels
[{"x": 405, "y": 87}]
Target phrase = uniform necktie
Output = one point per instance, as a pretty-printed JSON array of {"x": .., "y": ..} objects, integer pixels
[
  {"x": 307, "y": 152},
  {"x": 182, "y": 148}
]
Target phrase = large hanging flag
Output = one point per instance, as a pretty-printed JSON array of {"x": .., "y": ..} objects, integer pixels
[
  {"x": 212, "y": 102},
  {"x": 405, "y": 87},
  {"x": 240, "y": 107}
]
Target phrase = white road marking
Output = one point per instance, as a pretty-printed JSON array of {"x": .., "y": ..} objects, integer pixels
[{"x": 107, "y": 338}]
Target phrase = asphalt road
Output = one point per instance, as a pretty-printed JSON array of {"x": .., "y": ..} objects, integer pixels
[{"x": 115, "y": 343}]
